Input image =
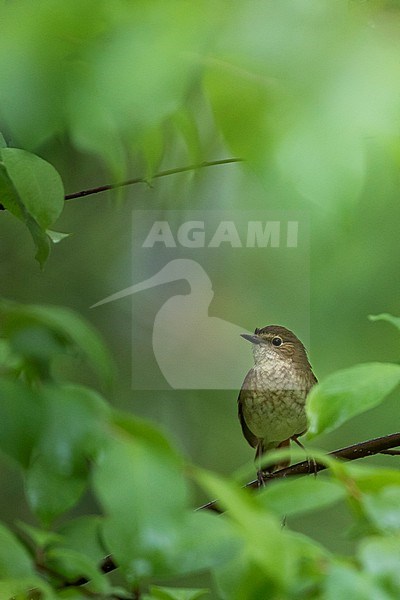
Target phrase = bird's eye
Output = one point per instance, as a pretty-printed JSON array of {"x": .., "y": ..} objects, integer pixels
[{"x": 277, "y": 341}]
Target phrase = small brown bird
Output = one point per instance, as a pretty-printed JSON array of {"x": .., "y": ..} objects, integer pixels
[{"x": 271, "y": 402}]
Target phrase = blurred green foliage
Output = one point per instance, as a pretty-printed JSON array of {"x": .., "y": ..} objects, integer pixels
[
  {"x": 93, "y": 92},
  {"x": 67, "y": 439}
]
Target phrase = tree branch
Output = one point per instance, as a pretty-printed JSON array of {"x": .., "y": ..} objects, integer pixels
[
  {"x": 380, "y": 445},
  {"x": 113, "y": 186},
  {"x": 175, "y": 171}
]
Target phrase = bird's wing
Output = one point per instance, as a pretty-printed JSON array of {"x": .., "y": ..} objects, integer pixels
[
  {"x": 314, "y": 380},
  {"x": 249, "y": 435}
]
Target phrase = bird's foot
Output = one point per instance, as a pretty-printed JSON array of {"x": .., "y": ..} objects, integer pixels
[
  {"x": 312, "y": 465},
  {"x": 261, "y": 477}
]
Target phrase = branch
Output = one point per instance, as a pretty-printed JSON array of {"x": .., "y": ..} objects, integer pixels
[
  {"x": 380, "y": 445},
  {"x": 113, "y": 186}
]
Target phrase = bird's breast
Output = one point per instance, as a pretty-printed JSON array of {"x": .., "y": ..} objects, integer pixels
[{"x": 273, "y": 402}]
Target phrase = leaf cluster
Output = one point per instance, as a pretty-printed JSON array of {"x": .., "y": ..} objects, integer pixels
[{"x": 67, "y": 441}]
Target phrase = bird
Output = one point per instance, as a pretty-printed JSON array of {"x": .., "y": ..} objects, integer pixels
[{"x": 271, "y": 402}]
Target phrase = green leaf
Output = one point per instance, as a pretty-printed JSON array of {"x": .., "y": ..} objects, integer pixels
[
  {"x": 237, "y": 501},
  {"x": 41, "y": 240},
  {"x": 381, "y": 558},
  {"x": 164, "y": 593},
  {"x": 292, "y": 496},
  {"x": 259, "y": 529},
  {"x": 72, "y": 593},
  {"x": 67, "y": 326},
  {"x": 383, "y": 509},
  {"x": 40, "y": 537},
  {"x": 347, "y": 393},
  {"x": 371, "y": 479},
  {"x": 21, "y": 414},
  {"x": 10, "y": 198},
  {"x": 73, "y": 427},
  {"x": 11, "y": 201},
  {"x": 311, "y": 563},
  {"x": 50, "y": 493},
  {"x": 153, "y": 145},
  {"x": 36, "y": 346},
  {"x": 3, "y": 143},
  {"x": 93, "y": 129},
  {"x": 83, "y": 534},
  {"x": 206, "y": 541},
  {"x": 186, "y": 124},
  {"x": 15, "y": 561},
  {"x": 72, "y": 436},
  {"x": 243, "y": 578},
  {"x": 31, "y": 189},
  {"x": 344, "y": 581},
  {"x": 38, "y": 184},
  {"x": 73, "y": 565},
  {"x": 141, "y": 487},
  {"x": 10, "y": 363},
  {"x": 26, "y": 588},
  {"x": 145, "y": 431},
  {"x": 244, "y": 122},
  {"x": 386, "y": 317},
  {"x": 197, "y": 541}
]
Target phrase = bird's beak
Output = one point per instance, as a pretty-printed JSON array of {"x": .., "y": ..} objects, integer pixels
[{"x": 254, "y": 339}]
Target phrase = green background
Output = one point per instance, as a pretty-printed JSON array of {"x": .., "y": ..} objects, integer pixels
[{"x": 306, "y": 92}]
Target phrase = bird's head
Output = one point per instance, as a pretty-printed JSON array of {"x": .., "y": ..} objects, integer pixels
[{"x": 276, "y": 343}]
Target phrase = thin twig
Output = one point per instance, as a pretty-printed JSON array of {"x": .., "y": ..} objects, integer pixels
[
  {"x": 175, "y": 171},
  {"x": 113, "y": 186}
]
